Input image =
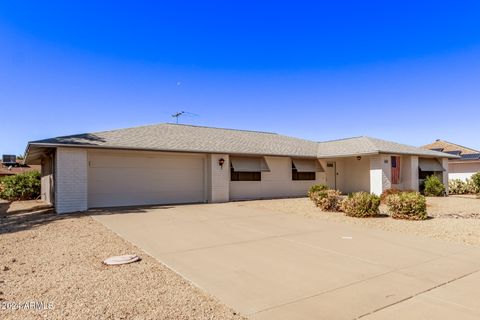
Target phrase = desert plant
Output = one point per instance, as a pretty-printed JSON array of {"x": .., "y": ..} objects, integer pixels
[
  {"x": 457, "y": 186},
  {"x": 361, "y": 204},
  {"x": 386, "y": 193},
  {"x": 316, "y": 188},
  {"x": 434, "y": 187},
  {"x": 470, "y": 187},
  {"x": 476, "y": 182},
  {"x": 24, "y": 186},
  {"x": 407, "y": 205},
  {"x": 327, "y": 200}
]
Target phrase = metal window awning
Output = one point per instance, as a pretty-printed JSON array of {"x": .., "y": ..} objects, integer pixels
[
  {"x": 249, "y": 164},
  {"x": 307, "y": 165},
  {"x": 430, "y": 164}
]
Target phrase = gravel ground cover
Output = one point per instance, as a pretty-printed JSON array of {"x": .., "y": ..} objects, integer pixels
[
  {"x": 57, "y": 260},
  {"x": 454, "y": 219}
]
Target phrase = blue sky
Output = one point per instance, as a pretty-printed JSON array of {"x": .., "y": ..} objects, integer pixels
[{"x": 397, "y": 70}]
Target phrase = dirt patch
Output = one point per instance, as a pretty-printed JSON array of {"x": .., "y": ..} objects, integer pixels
[
  {"x": 444, "y": 225},
  {"x": 22, "y": 206},
  {"x": 459, "y": 207},
  {"x": 57, "y": 260}
]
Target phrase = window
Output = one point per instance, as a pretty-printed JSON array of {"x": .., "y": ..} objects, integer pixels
[
  {"x": 247, "y": 168},
  {"x": 244, "y": 175},
  {"x": 302, "y": 175}
]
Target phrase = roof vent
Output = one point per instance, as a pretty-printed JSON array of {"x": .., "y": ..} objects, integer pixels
[{"x": 9, "y": 159}]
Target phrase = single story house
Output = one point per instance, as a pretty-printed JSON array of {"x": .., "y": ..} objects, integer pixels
[
  {"x": 171, "y": 163},
  {"x": 463, "y": 167}
]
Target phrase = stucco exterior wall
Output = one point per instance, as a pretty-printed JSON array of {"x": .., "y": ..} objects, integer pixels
[
  {"x": 275, "y": 184},
  {"x": 218, "y": 186},
  {"x": 462, "y": 170},
  {"x": 381, "y": 173},
  {"x": 444, "y": 162},
  {"x": 46, "y": 180},
  {"x": 386, "y": 172},
  {"x": 70, "y": 180},
  {"x": 353, "y": 175},
  {"x": 410, "y": 172}
]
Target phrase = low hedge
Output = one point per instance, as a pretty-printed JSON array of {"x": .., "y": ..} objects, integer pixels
[
  {"x": 361, "y": 205},
  {"x": 23, "y": 186},
  {"x": 407, "y": 205},
  {"x": 327, "y": 200}
]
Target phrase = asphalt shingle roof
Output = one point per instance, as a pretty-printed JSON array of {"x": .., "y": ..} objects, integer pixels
[
  {"x": 188, "y": 138},
  {"x": 368, "y": 145}
]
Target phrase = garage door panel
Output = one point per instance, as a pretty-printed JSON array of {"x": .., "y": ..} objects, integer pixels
[
  {"x": 126, "y": 161},
  {"x": 121, "y": 187},
  {"x": 105, "y": 178},
  {"x": 123, "y": 179}
]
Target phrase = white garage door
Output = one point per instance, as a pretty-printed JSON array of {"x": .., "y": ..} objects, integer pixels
[{"x": 124, "y": 179}]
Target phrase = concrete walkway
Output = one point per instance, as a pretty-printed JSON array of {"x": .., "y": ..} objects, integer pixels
[{"x": 270, "y": 265}]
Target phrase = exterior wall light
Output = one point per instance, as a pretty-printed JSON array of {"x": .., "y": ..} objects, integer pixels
[{"x": 221, "y": 161}]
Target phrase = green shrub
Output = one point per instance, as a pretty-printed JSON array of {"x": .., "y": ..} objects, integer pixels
[
  {"x": 327, "y": 200},
  {"x": 407, "y": 205},
  {"x": 476, "y": 182},
  {"x": 316, "y": 188},
  {"x": 434, "y": 187},
  {"x": 361, "y": 204},
  {"x": 24, "y": 186}
]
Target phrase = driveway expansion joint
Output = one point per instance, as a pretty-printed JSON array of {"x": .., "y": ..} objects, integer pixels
[{"x": 418, "y": 294}]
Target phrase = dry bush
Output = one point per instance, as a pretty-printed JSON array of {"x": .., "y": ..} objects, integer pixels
[{"x": 361, "y": 205}]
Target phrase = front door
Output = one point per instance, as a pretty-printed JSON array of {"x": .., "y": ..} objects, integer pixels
[{"x": 331, "y": 174}]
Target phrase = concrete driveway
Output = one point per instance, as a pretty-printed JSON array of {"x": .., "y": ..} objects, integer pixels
[{"x": 270, "y": 265}]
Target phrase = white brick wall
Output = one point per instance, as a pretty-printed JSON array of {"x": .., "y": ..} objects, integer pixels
[
  {"x": 218, "y": 178},
  {"x": 71, "y": 180}
]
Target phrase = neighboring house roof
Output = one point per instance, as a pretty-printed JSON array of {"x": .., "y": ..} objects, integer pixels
[
  {"x": 467, "y": 154},
  {"x": 368, "y": 145},
  {"x": 189, "y": 138},
  {"x": 446, "y": 146}
]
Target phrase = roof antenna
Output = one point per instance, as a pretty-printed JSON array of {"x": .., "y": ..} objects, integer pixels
[{"x": 181, "y": 113}]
